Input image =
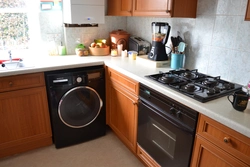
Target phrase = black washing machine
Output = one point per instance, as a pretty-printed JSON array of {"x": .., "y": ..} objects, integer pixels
[{"x": 77, "y": 104}]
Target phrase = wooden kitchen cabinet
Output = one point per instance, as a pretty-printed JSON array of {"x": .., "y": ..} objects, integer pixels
[
  {"x": 24, "y": 115},
  {"x": 218, "y": 145},
  {"x": 247, "y": 18},
  {"x": 161, "y": 8},
  {"x": 120, "y": 7},
  {"x": 122, "y": 109}
]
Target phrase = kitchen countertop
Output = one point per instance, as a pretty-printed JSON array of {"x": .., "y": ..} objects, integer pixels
[{"x": 220, "y": 109}]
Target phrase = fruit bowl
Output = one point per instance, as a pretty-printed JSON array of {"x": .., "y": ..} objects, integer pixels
[{"x": 99, "y": 51}]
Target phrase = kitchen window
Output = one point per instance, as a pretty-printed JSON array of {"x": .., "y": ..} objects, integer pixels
[{"x": 19, "y": 25}]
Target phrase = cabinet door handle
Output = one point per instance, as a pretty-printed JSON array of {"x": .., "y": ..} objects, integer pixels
[
  {"x": 135, "y": 103},
  {"x": 10, "y": 83},
  {"x": 226, "y": 139},
  {"x": 169, "y": 6}
]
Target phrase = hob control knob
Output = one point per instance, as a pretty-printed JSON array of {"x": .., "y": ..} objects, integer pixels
[
  {"x": 79, "y": 79},
  {"x": 172, "y": 110},
  {"x": 178, "y": 114}
]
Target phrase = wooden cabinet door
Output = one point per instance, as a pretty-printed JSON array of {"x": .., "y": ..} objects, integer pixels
[
  {"x": 151, "y": 8},
  {"x": 205, "y": 154},
  {"x": 248, "y": 11},
  {"x": 120, "y": 7},
  {"x": 122, "y": 115},
  {"x": 24, "y": 121}
]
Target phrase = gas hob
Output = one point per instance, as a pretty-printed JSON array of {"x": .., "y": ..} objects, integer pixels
[{"x": 196, "y": 85}]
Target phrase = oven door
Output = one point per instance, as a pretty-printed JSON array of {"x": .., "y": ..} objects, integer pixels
[{"x": 169, "y": 143}]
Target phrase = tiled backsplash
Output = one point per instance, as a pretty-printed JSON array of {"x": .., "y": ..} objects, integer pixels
[{"x": 218, "y": 39}]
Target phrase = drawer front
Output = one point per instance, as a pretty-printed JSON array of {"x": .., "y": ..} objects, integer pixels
[
  {"x": 126, "y": 82},
  {"x": 147, "y": 159},
  {"x": 21, "y": 82},
  {"x": 225, "y": 138}
]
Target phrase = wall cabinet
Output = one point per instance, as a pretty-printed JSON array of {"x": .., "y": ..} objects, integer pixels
[
  {"x": 120, "y": 7},
  {"x": 248, "y": 11},
  {"x": 160, "y": 8},
  {"x": 218, "y": 145},
  {"x": 24, "y": 115},
  {"x": 122, "y": 109}
]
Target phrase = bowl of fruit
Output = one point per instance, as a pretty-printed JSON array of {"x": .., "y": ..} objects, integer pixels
[{"x": 99, "y": 48}]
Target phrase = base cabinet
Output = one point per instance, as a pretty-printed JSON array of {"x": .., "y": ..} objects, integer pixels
[
  {"x": 24, "y": 115},
  {"x": 218, "y": 145},
  {"x": 122, "y": 109},
  {"x": 208, "y": 155}
]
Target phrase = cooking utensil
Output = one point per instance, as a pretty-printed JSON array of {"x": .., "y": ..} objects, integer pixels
[
  {"x": 179, "y": 38},
  {"x": 181, "y": 47}
]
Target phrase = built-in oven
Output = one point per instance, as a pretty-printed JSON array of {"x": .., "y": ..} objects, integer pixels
[{"x": 166, "y": 128}]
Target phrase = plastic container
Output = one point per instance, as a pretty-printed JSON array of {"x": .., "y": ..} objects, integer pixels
[
  {"x": 62, "y": 50},
  {"x": 132, "y": 55}
]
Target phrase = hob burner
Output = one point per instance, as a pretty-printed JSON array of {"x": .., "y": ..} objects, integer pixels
[
  {"x": 210, "y": 82},
  {"x": 189, "y": 75},
  {"x": 229, "y": 86},
  {"x": 167, "y": 78},
  {"x": 190, "y": 87},
  {"x": 211, "y": 91},
  {"x": 196, "y": 85}
]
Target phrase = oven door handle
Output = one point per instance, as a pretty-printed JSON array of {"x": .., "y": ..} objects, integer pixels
[{"x": 165, "y": 117}]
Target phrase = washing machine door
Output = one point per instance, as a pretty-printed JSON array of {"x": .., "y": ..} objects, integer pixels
[{"x": 79, "y": 107}]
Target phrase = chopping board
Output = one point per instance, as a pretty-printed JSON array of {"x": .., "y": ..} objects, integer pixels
[{"x": 144, "y": 59}]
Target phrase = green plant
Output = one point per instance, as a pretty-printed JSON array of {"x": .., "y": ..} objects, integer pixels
[{"x": 14, "y": 30}]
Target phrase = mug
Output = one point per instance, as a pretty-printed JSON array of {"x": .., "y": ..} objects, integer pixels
[{"x": 240, "y": 100}]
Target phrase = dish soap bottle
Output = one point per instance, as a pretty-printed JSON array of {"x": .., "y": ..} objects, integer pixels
[{"x": 62, "y": 50}]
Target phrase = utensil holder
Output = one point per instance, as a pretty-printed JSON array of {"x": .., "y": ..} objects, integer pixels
[{"x": 177, "y": 61}]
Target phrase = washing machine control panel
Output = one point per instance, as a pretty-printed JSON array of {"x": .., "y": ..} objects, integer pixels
[{"x": 79, "y": 79}]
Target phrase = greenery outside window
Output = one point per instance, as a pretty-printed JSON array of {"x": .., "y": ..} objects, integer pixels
[{"x": 19, "y": 24}]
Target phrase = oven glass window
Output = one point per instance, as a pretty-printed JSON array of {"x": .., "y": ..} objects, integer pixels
[{"x": 162, "y": 138}]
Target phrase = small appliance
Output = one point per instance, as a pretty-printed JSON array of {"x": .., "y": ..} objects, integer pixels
[
  {"x": 160, "y": 34},
  {"x": 141, "y": 46}
]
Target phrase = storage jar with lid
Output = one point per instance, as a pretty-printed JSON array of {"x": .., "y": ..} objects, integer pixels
[{"x": 119, "y": 37}]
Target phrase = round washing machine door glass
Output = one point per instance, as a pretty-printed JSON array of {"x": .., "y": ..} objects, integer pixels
[{"x": 79, "y": 107}]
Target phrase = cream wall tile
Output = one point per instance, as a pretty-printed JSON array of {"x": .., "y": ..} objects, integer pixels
[
  {"x": 243, "y": 36},
  {"x": 207, "y": 7},
  {"x": 239, "y": 69},
  {"x": 203, "y": 34},
  {"x": 229, "y": 7},
  {"x": 225, "y": 31}
]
